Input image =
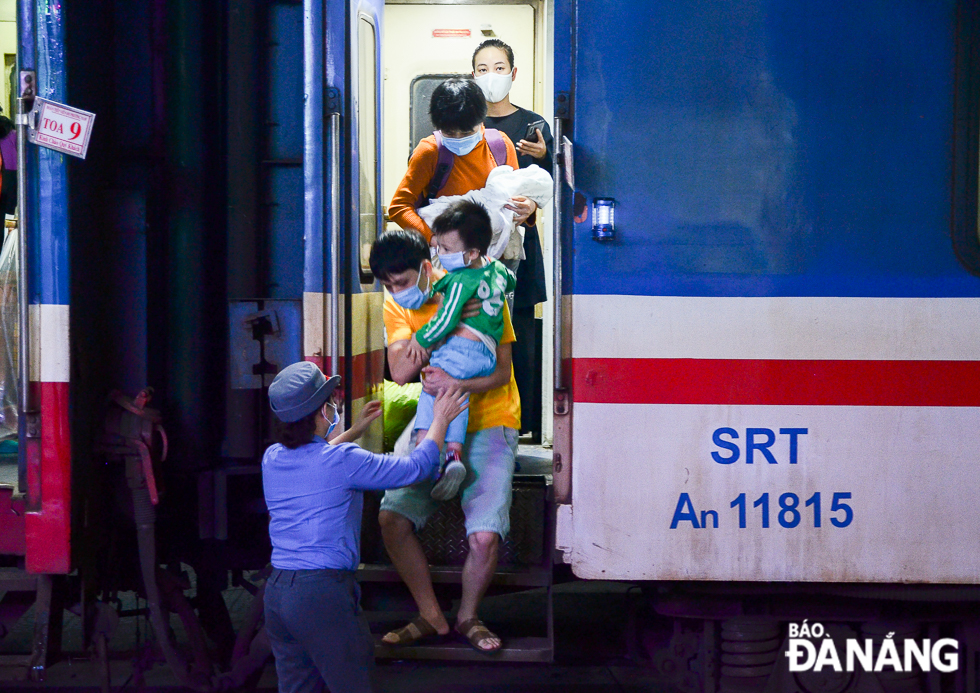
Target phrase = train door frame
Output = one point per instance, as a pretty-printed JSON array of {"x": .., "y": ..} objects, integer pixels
[
  {"x": 543, "y": 103},
  {"x": 341, "y": 303},
  {"x": 443, "y": 540},
  {"x": 45, "y": 308},
  {"x": 364, "y": 344}
]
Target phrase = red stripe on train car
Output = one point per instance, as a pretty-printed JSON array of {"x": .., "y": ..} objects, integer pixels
[
  {"x": 777, "y": 382},
  {"x": 367, "y": 368},
  {"x": 49, "y": 531}
]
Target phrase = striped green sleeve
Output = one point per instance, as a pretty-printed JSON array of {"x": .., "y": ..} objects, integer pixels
[{"x": 447, "y": 317}]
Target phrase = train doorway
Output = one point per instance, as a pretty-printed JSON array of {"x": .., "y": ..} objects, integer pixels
[{"x": 424, "y": 44}]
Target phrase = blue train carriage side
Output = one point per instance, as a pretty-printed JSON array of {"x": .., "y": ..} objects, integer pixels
[
  {"x": 773, "y": 361},
  {"x": 342, "y": 205}
]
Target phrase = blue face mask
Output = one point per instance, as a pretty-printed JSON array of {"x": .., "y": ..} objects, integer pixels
[
  {"x": 333, "y": 424},
  {"x": 413, "y": 297},
  {"x": 453, "y": 261},
  {"x": 461, "y": 146}
]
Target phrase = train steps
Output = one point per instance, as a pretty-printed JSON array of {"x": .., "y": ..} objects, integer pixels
[{"x": 525, "y": 563}]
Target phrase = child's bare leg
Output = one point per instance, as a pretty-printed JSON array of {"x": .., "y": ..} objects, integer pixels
[
  {"x": 420, "y": 436},
  {"x": 455, "y": 447}
]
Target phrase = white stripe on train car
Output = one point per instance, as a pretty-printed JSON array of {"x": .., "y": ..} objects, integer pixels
[
  {"x": 615, "y": 326},
  {"x": 50, "y": 362}
]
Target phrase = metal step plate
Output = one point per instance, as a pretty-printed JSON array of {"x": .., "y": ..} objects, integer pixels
[
  {"x": 444, "y": 537},
  {"x": 514, "y": 650}
]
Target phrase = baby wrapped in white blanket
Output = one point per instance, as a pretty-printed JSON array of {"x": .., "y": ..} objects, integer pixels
[{"x": 502, "y": 184}]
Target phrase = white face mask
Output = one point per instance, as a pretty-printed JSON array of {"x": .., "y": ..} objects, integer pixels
[{"x": 495, "y": 86}]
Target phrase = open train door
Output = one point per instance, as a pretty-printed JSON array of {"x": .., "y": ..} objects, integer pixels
[
  {"x": 35, "y": 452},
  {"x": 44, "y": 466},
  {"x": 342, "y": 303}
]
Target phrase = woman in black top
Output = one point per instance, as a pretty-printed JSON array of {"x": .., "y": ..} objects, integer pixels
[{"x": 494, "y": 72}]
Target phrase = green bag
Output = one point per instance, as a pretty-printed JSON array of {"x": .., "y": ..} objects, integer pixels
[{"x": 400, "y": 403}]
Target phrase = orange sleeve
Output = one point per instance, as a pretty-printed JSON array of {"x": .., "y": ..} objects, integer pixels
[{"x": 421, "y": 168}]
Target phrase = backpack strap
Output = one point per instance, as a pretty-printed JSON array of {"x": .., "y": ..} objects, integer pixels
[
  {"x": 444, "y": 164},
  {"x": 498, "y": 148}
]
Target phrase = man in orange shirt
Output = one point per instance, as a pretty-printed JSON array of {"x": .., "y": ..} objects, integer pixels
[
  {"x": 457, "y": 109},
  {"x": 400, "y": 260}
]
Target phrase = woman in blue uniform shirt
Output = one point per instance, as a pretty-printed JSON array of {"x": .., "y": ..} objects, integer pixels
[{"x": 314, "y": 493}]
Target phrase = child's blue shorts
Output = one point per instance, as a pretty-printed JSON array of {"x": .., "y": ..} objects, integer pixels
[{"x": 462, "y": 359}]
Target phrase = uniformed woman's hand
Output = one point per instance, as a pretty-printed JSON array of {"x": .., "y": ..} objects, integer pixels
[
  {"x": 371, "y": 411},
  {"x": 449, "y": 404}
]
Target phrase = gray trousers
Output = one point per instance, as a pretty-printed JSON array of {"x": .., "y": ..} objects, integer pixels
[{"x": 318, "y": 632}]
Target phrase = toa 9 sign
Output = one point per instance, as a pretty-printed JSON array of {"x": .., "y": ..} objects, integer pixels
[{"x": 60, "y": 127}]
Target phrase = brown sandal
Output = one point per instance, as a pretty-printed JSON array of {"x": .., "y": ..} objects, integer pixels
[
  {"x": 417, "y": 629},
  {"x": 475, "y": 632}
]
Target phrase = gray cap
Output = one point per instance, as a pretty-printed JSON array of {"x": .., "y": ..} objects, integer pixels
[{"x": 299, "y": 390}]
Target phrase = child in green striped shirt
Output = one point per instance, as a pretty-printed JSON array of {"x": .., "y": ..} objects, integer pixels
[{"x": 462, "y": 236}]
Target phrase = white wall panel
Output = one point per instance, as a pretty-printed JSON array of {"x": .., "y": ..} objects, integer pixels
[
  {"x": 411, "y": 50},
  {"x": 776, "y": 328}
]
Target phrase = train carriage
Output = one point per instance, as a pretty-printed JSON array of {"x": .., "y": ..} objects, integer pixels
[
  {"x": 779, "y": 341},
  {"x": 762, "y": 340}
]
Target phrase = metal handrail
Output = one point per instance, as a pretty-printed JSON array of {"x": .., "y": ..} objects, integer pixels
[
  {"x": 556, "y": 253},
  {"x": 335, "y": 210},
  {"x": 23, "y": 294}
]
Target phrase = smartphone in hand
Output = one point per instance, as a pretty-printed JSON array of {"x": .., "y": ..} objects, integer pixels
[{"x": 531, "y": 135}]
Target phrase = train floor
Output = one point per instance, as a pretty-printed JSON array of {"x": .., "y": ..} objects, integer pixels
[{"x": 596, "y": 650}]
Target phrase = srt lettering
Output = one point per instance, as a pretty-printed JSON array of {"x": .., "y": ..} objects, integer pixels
[{"x": 756, "y": 440}]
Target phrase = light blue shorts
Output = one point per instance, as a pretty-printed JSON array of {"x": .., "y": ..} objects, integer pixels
[
  {"x": 486, "y": 491},
  {"x": 462, "y": 359}
]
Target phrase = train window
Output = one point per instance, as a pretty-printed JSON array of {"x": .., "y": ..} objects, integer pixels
[
  {"x": 367, "y": 142},
  {"x": 421, "y": 94}
]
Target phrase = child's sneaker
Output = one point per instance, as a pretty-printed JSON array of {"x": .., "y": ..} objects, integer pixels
[{"x": 451, "y": 478}]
